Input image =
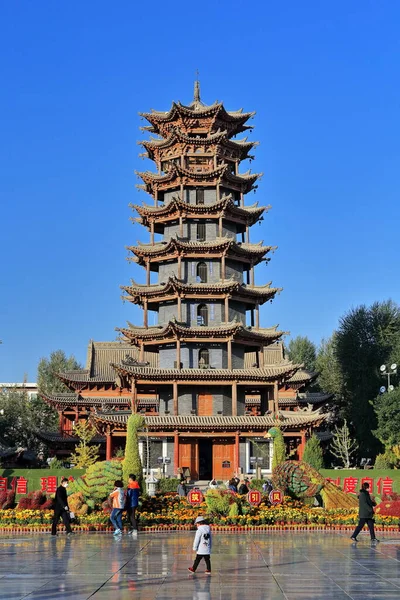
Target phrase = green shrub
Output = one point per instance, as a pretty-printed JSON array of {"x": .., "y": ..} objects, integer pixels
[
  {"x": 98, "y": 481},
  {"x": 132, "y": 462},
  {"x": 387, "y": 460},
  {"x": 218, "y": 502},
  {"x": 313, "y": 454},
  {"x": 168, "y": 485},
  {"x": 256, "y": 484}
]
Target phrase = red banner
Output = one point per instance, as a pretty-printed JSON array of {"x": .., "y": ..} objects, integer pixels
[
  {"x": 254, "y": 497},
  {"x": 276, "y": 497},
  {"x": 195, "y": 497}
]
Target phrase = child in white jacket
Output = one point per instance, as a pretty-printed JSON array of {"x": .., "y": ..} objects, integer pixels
[{"x": 202, "y": 545}]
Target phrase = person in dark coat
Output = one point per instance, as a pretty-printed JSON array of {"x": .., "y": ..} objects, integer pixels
[
  {"x": 61, "y": 508},
  {"x": 244, "y": 487},
  {"x": 366, "y": 505}
]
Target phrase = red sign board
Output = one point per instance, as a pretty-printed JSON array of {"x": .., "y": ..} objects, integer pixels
[
  {"x": 275, "y": 496},
  {"x": 254, "y": 497},
  {"x": 195, "y": 497}
]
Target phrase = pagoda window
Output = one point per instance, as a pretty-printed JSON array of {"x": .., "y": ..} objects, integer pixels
[
  {"x": 199, "y": 196},
  {"x": 204, "y": 358},
  {"x": 201, "y": 232},
  {"x": 202, "y": 315},
  {"x": 201, "y": 274}
]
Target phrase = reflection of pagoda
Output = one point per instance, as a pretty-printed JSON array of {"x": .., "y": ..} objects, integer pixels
[{"x": 210, "y": 379}]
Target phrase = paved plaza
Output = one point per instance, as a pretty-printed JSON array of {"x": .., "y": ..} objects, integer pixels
[{"x": 274, "y": 566}]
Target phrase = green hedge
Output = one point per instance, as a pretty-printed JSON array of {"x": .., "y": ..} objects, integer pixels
[{"x": 33, "y": 475}]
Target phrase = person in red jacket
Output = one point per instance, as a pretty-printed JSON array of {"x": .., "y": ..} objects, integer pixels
[{"x": 132, "y": 502}]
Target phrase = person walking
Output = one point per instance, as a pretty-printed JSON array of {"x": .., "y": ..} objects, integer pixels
[
  {"x": 202, "y": 545},
  {"x": 132, "y": 502},
  {"x": 61, "y": 508},
  {"x": 118, "y": 502},
  {"x": 366, "y": 505}
]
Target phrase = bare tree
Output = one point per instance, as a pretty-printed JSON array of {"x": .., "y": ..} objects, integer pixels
[{"x": 342, "y": 445}]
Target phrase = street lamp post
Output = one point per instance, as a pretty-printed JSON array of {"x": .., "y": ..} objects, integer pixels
[{"x": 387, "y": 371}]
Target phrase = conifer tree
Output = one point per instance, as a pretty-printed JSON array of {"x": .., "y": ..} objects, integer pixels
[
  {"x": 132, "y": 462},
  {"x": 279, "y": 447},
  {"x": 313, "y": 454}
]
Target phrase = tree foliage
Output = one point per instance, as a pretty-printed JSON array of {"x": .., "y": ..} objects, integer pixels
[
  {"x": 85, "y": 454},
  {"x": 342, "y": 445},
  {"x": 330, "y": 378},
  {"x": 387, "y": 409},
  {"x": 58, "y": 362},
  {"x": 302, "y": 350},
  {"x": 313, "y": 454},
  {"x": 23, "y": 418},
  {"x": 132, "y": 462},
  {"x": 367, "y": 338},
  {"x": 279, "y": 455}
]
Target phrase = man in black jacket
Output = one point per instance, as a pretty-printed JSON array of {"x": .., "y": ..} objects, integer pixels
[
  {"x": 366, "y": 505},
  {"x": 61, "y": 508}
]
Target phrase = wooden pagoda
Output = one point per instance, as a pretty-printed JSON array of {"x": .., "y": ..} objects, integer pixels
[{"x": 209, "y": 378}]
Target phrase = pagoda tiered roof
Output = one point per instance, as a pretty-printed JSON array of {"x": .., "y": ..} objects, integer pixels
[
  {"x": 178, "y": 175},
  {"x": 217, "y": 422},
  {"x": 246, "y": 252},
  {"x": 197, "y": 117},
  {"x": 163, "y": 334},
  {"x": 251, "y": 375},
  {"x": 176, "y": 207},
  {"x": 260, "y": 294},
  {"x": 155, "y": 147}
]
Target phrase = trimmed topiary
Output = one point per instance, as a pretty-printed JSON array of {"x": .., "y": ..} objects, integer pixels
[
  {"x": 132, "y": 462},
  {"x": 313, "y": 454}
]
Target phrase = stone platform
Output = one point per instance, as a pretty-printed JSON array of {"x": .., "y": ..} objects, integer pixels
[{"x": 272, "y": 566}]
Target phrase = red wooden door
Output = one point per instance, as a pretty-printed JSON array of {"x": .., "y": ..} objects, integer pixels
[
  {"x": 204, "y": 405},
  {"x": 188, "y": 456},
  {"x": 223, "y": 459}
]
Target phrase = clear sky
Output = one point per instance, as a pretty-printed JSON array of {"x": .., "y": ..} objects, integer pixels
[{"x": 323, "y": 78}]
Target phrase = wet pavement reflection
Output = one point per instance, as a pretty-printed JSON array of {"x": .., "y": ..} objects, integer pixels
[{"x": 278, "y": 565}]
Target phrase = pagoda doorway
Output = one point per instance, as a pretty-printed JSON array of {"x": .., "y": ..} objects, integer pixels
[
  {"x": 223, "y": 459},
  {"x": 205, "y": 459}
]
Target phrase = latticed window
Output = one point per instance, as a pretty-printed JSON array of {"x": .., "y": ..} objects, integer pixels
[
  {"x": 202, "y": 272},
  {"x": 199, "y": 196},
  {"x": 202, "y": 314},
  {"x": 204, "y": 358},
  {"x": 201, "y": 232}
]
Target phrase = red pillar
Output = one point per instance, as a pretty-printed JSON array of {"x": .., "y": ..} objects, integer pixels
[
  {"x": 108, "y": 446},
  {"x": 237, "y": 452},
  {"x": 300, "y": 449},
  {"x": 176, "y": 452}
]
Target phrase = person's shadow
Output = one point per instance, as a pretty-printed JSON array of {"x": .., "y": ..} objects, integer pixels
[{"x": 202, "y": 588}]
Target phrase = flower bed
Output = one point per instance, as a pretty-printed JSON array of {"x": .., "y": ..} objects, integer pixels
[{"x": 175, "y": 514}]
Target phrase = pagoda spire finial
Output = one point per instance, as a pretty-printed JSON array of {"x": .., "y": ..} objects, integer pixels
[{"x": 196, "y": 95}]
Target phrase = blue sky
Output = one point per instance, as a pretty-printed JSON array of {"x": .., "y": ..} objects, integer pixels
[{"x": 324, "y": 80}]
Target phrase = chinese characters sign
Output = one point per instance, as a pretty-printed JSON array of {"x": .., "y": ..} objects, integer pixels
[
  {"x": 195, "y": 497},
  {"x": 254, "y": 497},
  {"x": 351, "y": 485},
  {"x": 19, "y": 485},
  {"x": 275, "y": 496}
]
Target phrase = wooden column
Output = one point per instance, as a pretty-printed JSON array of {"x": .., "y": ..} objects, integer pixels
[
  {"x": 276, "y": 402},
  {"x": 141, "y": 353},
  {"x": 108, "y": 444},
  {"x": 223, "y": 270},
  {"x": 147, "y": 272},
  {"x": 145, "y": 314},
  {"x": 220, "y": 226},
  {"x": 156, "y": 198},
  {"x": 300, "y": 449},
  {"x": 180, "y": 226},
  {"x": 152, "y": 232},
  {"x": 218, "y": 196},
  {"x": 252, "y": 275},
  {"x": 176, "y": 452},
  {"x": 181, "y": 188},
  {"x": 133, "y": 396},
  {"x": 179, "y": 267},
  {"x": 241, "y": 199},
  {"x": 257, "y": 315},
  {"x": 61, "y": 420},
  {"x": 178, "y": 353},
  {"x": 179, "y": 308},
  {"x": 226, "y": 305},
  {"x": 175, "y": 397},
  {"x": 237, "y": 452},
  {"x": 229, "y": 343},
  {"x": 247, "y": 234},
  {"x": 234, "y": 399}
]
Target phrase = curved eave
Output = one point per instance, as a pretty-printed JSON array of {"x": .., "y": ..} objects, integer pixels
[
  {"x": 263, "y": 375},
  {"x": 172, "y": 329},
  {"x": 212, "y": 423}
]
